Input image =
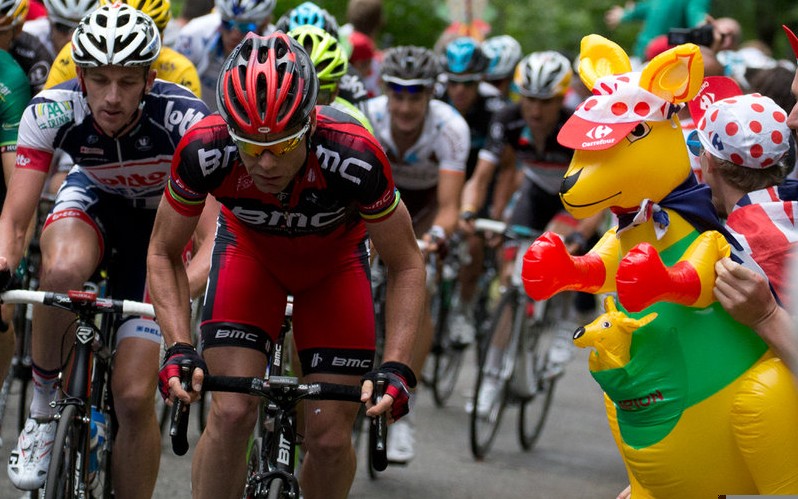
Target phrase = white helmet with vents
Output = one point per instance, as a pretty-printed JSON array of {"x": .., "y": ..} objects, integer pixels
[
  {"x": 69, "y": 12},
  {"x": 543, "y": 75},
  {"x": 116, "y": 35}
]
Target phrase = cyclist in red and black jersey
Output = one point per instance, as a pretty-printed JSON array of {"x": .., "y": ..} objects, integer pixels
[{"x": 301, "y": 187}]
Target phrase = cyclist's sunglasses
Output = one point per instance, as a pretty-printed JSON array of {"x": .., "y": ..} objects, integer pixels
[
  {"x": 694, "y": 145},
  {"x": 243, "y": 28},
  {"x": 411, "y": 89},
  {"x": 278, "y": 147}
]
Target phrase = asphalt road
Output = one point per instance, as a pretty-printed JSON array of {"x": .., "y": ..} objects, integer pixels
[{"x": 574, "y": 458}]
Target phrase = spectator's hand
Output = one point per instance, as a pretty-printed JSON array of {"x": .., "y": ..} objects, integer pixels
[
  {"x": 612, "y": 18},
  {"x": 625, "y": 493},
  {"x": 400, "y": 380},
  {"x": 743, "y": 293}
]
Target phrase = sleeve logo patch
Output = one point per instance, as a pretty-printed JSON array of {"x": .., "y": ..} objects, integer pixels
[{"x": 53, "y": 114}]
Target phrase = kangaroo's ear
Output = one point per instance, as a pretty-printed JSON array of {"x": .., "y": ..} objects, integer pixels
[
  {"x": 609, "y": 304},
  {"x": 599, "y": 57},
  {"x": 676, "y": 74},
  {"x": 645, "y": 320}
]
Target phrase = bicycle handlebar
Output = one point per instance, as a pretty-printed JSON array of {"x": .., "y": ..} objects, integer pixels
[
  {"x": 287, "y": 387},
  {"x": 78, "y": 301}
]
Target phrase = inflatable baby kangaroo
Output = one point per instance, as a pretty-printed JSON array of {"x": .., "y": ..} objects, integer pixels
[{"x": 697, "y": 404}]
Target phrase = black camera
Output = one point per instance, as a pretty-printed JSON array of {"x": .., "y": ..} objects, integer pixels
[{"x": 700, "y": 36}]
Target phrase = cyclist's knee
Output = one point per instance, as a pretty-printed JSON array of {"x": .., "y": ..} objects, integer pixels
[
  {"x": 329, "y": 442},
  {"x": 134, "y": 401},
  {"x": 233, "y": 413}
]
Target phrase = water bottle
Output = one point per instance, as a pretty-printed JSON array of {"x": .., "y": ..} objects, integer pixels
[{"x": 97, "y": 434}]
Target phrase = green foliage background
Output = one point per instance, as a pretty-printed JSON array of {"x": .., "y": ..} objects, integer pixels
[{"x": 552, "y": 24}]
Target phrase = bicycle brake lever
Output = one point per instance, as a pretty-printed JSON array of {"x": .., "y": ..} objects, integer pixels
[
  {"x": 178, "y": 417},
  {"x": 378, "y": 430}
]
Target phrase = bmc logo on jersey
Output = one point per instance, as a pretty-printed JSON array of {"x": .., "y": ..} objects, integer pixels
[
  {"x": 289, "y": 220},
  {"x": 330, "y": 160},
  {"x": 211, "y": 159},
  {"x": 135, "y": 180},
  {"x": 182, "y": 120}
]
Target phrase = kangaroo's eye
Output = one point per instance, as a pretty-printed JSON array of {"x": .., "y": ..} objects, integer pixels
[
  {"x": 606, "y": 324},
  {"x": 640, "y": 131}
]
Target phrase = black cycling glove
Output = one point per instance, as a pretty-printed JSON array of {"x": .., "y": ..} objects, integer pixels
[
  {"x": 176, "y": 356},
  {"x": 400, "y": 379}
]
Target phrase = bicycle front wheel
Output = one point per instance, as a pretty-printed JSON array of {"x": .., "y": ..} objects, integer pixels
[
  {"x": 490, "y": 393},
  {"x": 538, "y": 374},
  {"x": 275, "y": 489},
  {"x": 63, "y": 478}
]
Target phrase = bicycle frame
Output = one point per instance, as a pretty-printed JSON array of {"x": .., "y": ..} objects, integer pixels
[{"x": 88, "y": 373}]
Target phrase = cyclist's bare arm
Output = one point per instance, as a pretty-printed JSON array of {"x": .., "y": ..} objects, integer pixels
[
  {"x": 507, "y": 183},
  {"x": 168, "y": 283},
  {"x": 200, "y": 264},
  {"x": 21, "y": 202},
  {"x": 450, "y": 189},
  {"x": 396, "y": 244},
  {"x": 476, "y": 189}
]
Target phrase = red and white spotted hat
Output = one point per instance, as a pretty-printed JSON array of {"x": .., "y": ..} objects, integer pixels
[
  {"x": 618, "y": 106},
  {"x": 748, "y": 130}
]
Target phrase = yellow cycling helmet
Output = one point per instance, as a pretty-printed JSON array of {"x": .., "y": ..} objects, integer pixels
[
  {"x": 13, "y": 12},
  {"x": 159, "y": 10},
  {"x": 325, "y": 51}
]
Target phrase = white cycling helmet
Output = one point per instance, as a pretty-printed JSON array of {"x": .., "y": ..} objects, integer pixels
[
  {"x": 543, "y": 75},
  {"x": 69, "y": 12},
  {"x": 503, "y": 52},
  {"x": 115, "y": 35},
  {"x": 254, "y": 11}
]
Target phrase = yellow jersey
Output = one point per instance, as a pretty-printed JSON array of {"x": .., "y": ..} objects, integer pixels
[{"x": 170, "y": 66}]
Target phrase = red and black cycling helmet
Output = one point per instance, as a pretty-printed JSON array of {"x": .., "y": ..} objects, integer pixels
[{"x": 267, "y": 85}]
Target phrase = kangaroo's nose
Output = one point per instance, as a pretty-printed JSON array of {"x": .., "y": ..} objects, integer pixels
[
  {"x": 569, "y": 181},
  {"x": 579, "y": 332}
]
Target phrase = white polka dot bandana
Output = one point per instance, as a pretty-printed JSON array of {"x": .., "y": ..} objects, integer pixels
[
  {"x": 748, "y": 130},
  {"x": 618, "y": 105}
]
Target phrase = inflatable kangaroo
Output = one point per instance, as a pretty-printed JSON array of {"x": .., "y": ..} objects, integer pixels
[
  {"x": 610, "y": 335},
  {"x": 701, "y": 407}
]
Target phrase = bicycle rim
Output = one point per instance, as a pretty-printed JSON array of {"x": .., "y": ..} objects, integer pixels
[
  {"x": 536, "y": 345},
  {"x": 485, "y": 426},
  {"x": 447, "y": 369},
  {"x": 62, "y": 480}
]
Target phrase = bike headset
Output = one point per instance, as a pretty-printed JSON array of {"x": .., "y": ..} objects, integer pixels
[
  {"x": 12, "y": 13},
  {"x": 410, "y": 65},
  {"x": 116, "y": 35},
  {"x": 254, "y": 11},
  {"x": 465, "y": 60},
  {"x": 328, "y": 57},
  {"x": 267, "y": 85},
  {"x": 308, "y": 13},
  {"x": 159, "y": 10},
  {"x": 503, "y": 53},
  {"x": 543, "y": 75},
  {"x": 69, "y": 12}
]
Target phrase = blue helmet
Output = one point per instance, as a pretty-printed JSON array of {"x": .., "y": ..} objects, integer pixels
[
  {"x": 503, "y": 52},
  {"x": 308, "y": 14},
  {"x": 465, "y": 59}
]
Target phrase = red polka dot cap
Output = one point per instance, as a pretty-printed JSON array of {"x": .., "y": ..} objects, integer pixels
[
  {"x": 748, "y": 130},
  {"x": 618, "y": 105}
]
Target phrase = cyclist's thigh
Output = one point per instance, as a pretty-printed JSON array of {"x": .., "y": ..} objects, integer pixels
[
  {"x": 244, "y": 302},
  {"x": 334, "y": 320}
]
